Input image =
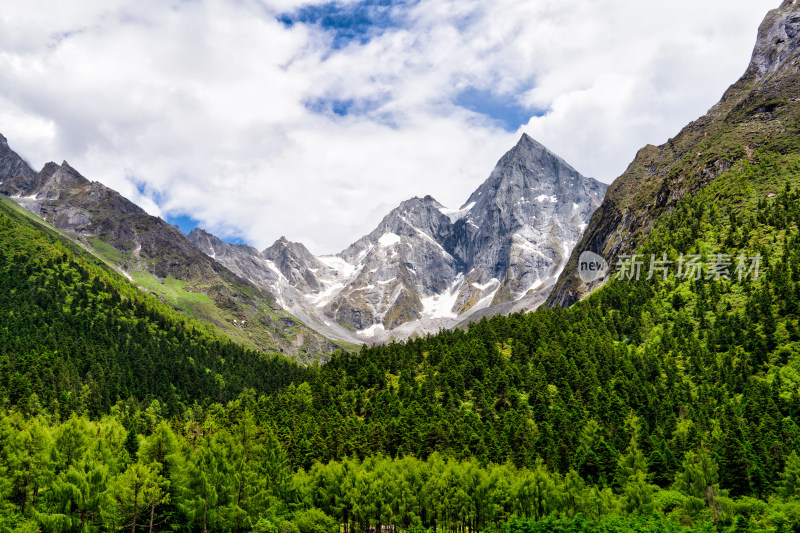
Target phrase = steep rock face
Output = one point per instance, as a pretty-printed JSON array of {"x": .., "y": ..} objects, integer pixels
[
  {"x": 136, "y": 242},
  {"x": 760, "y": 108},
  {"x": 426, "y": 266},
  {"x": 776, "y": 48},
  {"x": 242, "y": 260},
  {"x": 297, "y": 265},
  {"x": 16, "y": 176},
  {"x": 522, "y": 223}
]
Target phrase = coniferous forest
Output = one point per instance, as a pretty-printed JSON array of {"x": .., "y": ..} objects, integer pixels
[{"x": 661, "y": 404}]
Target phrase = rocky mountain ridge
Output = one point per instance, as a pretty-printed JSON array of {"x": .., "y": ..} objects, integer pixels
[
  {"x": 759, "y": 110},
  {"x": 156, "y": 255}
]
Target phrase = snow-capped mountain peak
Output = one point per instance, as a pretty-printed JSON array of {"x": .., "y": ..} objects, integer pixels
[{"x": 426, "y": 266}]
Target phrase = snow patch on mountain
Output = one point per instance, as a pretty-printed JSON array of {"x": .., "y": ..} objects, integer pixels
[
  {"x": 389, "y": 239},
  {"x": 371, "y": 331},
  {"x": 456, "y": 214},
  {"x": 483, "y": 286},
  {"x": 441, "y": 305}
]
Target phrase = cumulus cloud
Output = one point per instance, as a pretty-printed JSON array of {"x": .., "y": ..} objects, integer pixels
[{"x": 257, "y": 125}]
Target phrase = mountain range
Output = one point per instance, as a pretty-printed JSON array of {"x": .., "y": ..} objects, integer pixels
[
  {"x": 426, "y": 267},
  {"x": 423, "y": 268},
  {"x": 651, "y": 404},
  {"x": 512, "y": 245}
]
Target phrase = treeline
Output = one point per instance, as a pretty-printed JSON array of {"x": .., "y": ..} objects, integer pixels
[
  {"x": 84, "y": 475},
  {"x": 77, "y": 337}
]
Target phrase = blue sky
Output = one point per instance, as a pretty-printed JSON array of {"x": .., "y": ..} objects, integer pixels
[
  {"x": 349, "y": 22},
  {"x": 504, "y": 109},
  {"x": 260, "y": 118},
  {"x": 186, "y": 224},
  {"x": 357, "y": 23}
]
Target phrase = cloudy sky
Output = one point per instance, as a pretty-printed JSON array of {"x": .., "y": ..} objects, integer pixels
[{"x": 261, "y": 118}]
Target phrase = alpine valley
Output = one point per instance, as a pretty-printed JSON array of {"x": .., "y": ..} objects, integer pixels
[{"x": 142, "y": 384}]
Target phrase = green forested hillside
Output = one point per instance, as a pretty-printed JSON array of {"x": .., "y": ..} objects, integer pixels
[
  {"x": 674, "y": 398},
  {"x": 759, "y": 112},
  {"x": 76, "y": 336},
  {"x": 230, "y": 475}
]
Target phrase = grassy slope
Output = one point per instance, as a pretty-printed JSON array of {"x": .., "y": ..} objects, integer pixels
[{"x": 234, "y": 310}]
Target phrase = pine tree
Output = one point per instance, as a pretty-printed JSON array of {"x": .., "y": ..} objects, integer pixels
[
  {"x": 789, "y": 486},
  {"x": 699, "y": 480},
  {"x": 135, "y": 495},
  {"x": 77, "y": 495},
  {"x": 206, "y": 480},
  {"x": 28, "y": 463}
]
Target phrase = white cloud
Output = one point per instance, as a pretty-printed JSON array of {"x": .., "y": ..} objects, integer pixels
[{"x": 204, "y": 102}]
